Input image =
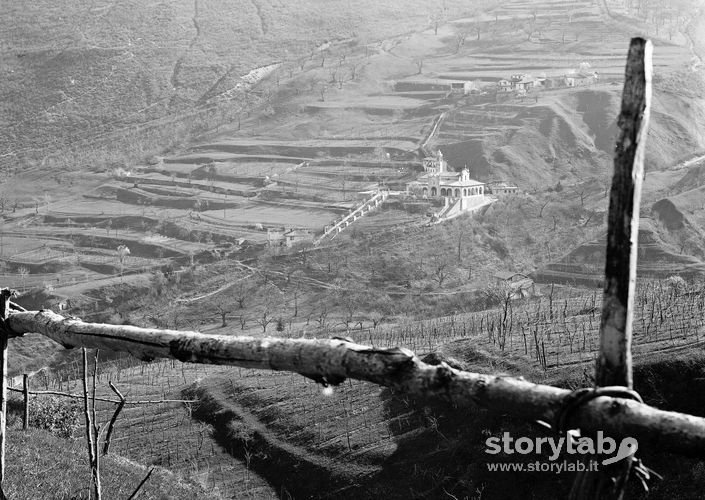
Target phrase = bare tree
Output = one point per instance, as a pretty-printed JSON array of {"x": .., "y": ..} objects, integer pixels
[
  {"x": 461, "y": 237},
  {"x": 23, "y": 272},
  {"x": 441, "y": 269},
  {"x": 350, "y": 301},
  {"x": 529, "y": 27},
  {"x": 419, "y": 65},
  {"x": 296, "y": 300},
  {"x": 264, "y": 320},
  {"x": 435, "y": 19},
  {"x": 211, "y": 169},
  {"x": 322, "y": 317},
  {"x": 223, "y": 305},
  {"x": 376, "y": 317},
  {"x": 460, "y": 40},
  {"x": 542, "y": 207},
  {"x": 122, "y": 252},
  {"x": 477, "y": 27}
]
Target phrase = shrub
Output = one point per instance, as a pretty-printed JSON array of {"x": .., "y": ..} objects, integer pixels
[
  {"x": 499, "y": 247},
  {"x": 60, "y": 416}
]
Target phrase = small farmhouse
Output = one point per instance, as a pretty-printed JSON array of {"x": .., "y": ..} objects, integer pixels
[
  {"x": 464, "y": 87},
  {"x": 520, "y": 83},
  {"x": 525, "y": 84},
  {"x": 580, "y": 79},
  {"x": 517, "y": 285},
  {"x": 288, "y": 238},
  {"x": 501, "y": 187},
  {"x": 457, "y": 88},
  {"x": 504, "y": 86}
]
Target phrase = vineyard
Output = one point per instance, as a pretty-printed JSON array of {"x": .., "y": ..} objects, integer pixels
[{"x": 247, "y": 430}]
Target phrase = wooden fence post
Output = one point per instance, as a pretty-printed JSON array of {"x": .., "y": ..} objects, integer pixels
[
  {"x": 25, "y": 394},
  {"x": 614, "y": 364},
  {"x": 5, "y": 295}
]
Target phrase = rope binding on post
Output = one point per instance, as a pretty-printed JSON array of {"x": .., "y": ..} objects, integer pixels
[{"x": 580, "y": 397}]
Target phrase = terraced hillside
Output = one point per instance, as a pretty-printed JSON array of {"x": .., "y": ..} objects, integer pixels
[
  {"x": 298, "y": 145},
  {"x": 352, "y": 117}
]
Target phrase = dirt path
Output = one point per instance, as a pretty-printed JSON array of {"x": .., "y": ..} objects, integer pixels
[
  {"x": 179, "y": 62},
  {"x": 262, "y": 23},
  {"x": 240, "y": 432},
  {"x": 695, "y": 24},
  {"x": 214, "y": 292},
  {"x": 688, "y": 163},
  {"x": 434, "y": 130}
]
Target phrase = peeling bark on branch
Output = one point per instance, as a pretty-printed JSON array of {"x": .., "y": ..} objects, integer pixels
[{"x": 332, "y": 361}]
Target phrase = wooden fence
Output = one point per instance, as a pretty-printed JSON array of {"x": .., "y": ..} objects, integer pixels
[{"x": 616, "y": 411}]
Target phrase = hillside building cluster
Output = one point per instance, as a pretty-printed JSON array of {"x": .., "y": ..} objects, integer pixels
[{"x": 522, "y": 83}]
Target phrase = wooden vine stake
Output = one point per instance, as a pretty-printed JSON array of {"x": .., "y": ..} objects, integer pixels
[
  {"x": 614, "y": 364},
  {"x": 25, "y": 401},
  {"x": 92, "y": 430}
]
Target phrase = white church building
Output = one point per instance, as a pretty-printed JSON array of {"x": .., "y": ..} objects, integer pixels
[
  {"x": 438, "y": 182},
  {"x": 459, "y": 192}
]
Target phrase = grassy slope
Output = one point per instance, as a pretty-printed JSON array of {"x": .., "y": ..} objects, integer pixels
[{"x": 40, "y": 465}]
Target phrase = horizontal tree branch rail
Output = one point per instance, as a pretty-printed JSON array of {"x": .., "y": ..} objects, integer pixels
[
  {"x": 105, "y": 400},
  {"x": 332, "y": 361}
]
